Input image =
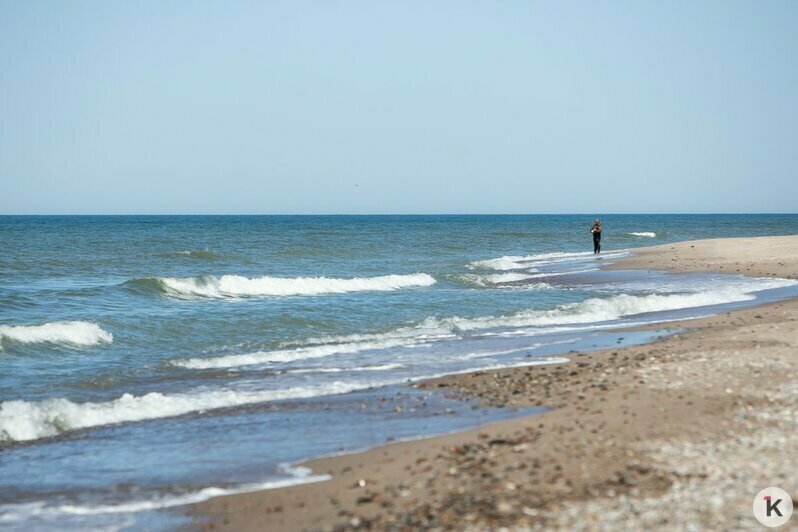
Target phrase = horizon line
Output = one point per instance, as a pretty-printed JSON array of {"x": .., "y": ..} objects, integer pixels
[{"x": 663, "y": 213}]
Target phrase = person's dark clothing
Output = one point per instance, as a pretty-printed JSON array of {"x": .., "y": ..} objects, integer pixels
[
  {"x": 596, "y": 230},
  {"x": 597, "y": 242}
]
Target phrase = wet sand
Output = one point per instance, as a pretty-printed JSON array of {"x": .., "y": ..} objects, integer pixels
[{"x": 675, "y": 434}]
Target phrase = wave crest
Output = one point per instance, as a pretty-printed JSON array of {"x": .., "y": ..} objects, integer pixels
[
  {"x": 285, "y": 355},
  {"x": 236, "y": 286},
  {"x": 31, "y": 420},
  {"x": 502, "y": 280},
  {"x": 580, "y": 314},
  {"x": 648, "y": 234},
  {"x": 68, "y": 333},
  {"x": 612, "y": 308},
  {"x": 528, "y": 262}
]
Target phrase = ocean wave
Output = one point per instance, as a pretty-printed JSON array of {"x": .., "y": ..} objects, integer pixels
[
  {"x": 67, "y": 333},
  {"x": 501, "y": 280},
  {"x": 379, "y": 367},
  {"x": 612, "y": 308},
  {"x": 286, "y": 355},
  {"x": 433, "y": 329},
  {"x": 529, "y": 262},
  {"x": 510, "y": 277},
  {"x": 649, "y": 234},
  {"x": 31, "y": 420},
  {"x": 559, "y": 274},
  {"x": 236, "y": 287}
]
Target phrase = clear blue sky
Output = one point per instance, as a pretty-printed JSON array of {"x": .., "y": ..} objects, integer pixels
[{"x": 398, "y": 107}]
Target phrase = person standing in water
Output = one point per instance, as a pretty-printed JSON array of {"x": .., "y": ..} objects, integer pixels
[{"x": 596, "y": 230}]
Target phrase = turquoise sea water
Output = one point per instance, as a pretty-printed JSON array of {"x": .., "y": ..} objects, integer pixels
[{"x": 153, "y": 360}]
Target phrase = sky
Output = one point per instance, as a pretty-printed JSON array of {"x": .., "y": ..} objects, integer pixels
[{"x": 327, "y": 107}]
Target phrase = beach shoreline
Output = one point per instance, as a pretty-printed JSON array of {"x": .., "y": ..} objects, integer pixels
[{"x": 675, "y": 433}]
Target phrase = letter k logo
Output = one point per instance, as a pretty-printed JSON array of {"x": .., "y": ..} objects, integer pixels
[
  {"x": 772, "y": 506},
  {"x": 777, "y": 507}
]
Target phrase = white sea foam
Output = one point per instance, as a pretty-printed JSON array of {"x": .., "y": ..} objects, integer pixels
[
  {"x": 380, "y": 367},
  {"x": 286, "y": 355},
  {"x": 510, "y": 277},
  {"x": 588, "y": 311},
  {"x": 558, "y": 274},
  {"x": 615, "y": 307},
  {"x": 428, "y": 330},
  {"x": 649, "y": 234},
  {"x": 434, "y": 329},
  {"x": 23, "y": 420},
  {"x": 68, "y": 333},
  {"x": 529, "y": 262},
  {"x": 506, "y": 263},
  {"x": 235, "y": 286},
  {"x": 494, "y": 280},
  {"x": 488, "y": 354},
  {"x": 30, "y": 420}
]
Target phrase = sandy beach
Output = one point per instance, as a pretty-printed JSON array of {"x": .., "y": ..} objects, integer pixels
[
  {"x": 677, "y": 434},
  {"x": 375, "y": 266}
]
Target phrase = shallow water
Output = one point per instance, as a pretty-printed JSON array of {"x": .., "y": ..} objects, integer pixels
[{"x": 146, "y": 359}]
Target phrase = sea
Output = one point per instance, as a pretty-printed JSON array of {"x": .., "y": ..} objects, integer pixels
[{"x": 148, "y": 362}]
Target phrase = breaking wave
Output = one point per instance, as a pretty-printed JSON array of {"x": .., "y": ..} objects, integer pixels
[
  {"x": 67, "y": 333},
  {"x": 649, "y": 234},
  {"x": 612, "y": 308},
  {"x": 31, "y": 420},
  {"x": 28, "y": 420},
  {"x": 502, "y": 280},
  {"x": 379, "y": 367},
  {"x": 506, "y": 277},
  {"x": 529, "y": 262},
  {"x": 286, "y": 355},
  {"x": 235, "y": 286},
  {"x": 588, "y": 312}
]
